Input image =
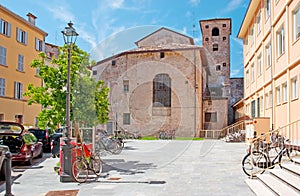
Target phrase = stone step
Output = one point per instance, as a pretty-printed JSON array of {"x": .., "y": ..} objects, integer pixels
[
  {"x": 287, "y": 177},
  {"x": 259, "y": 188},
  {"x": 276, "y": 185},
  {"x": 292, "y": 167}
]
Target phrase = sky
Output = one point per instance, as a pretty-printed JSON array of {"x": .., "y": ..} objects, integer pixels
[{"x": 108, "y": 27}]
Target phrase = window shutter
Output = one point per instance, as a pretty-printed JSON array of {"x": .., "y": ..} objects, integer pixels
[
  {"x": 43, "y": 46},
  {"x": 8, "y": 29},
  {"x": 16, "y": 90},
  {"x": 1, "y": 26},
  {"x": 21, "y": 91},
  {"x": 37, "y": 44},
  {"x": 26, "y": 38},
  {"x": 18, "y": 34}
]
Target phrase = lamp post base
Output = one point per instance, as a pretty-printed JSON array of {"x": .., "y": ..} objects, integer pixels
[{"x": 66, "y": 175}]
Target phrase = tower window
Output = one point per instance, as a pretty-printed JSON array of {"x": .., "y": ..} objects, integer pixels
[
  {"x": 224, "y": 64},
  {"x": 113, "y": 62},
  {"x": 224, "y": 25},
  {"x": 224, "y": 38},
  {"x": 162, "y": 55},
  {"x": 215, "y": 47},
  {"x": 206, "y": 26},
  {"x": 215, "y": 32},
  {"x": 206, "y": 39},
  {"x": 218, "y": 68}
]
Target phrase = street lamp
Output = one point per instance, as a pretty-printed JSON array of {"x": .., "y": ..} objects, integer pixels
[{"x": 70, "y": 36}]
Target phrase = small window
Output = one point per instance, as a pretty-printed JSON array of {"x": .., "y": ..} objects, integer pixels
[
  {"x": 126, "y": 119},
  {"x": 224, "y": 25},
  {"x": 296, "y": 25},
  {"x": 215, "y": 32},
  {"x": 2, "y": 55},
  {"x": 224, "y": 38},
  {"x": 39, "y": 45},
  {"x": 94, "y": 72},
  {"x": 113, "y": 62},
  {"x": 126, "y": 86},
  {"x": 210, "y": 116},
  {"x": 218, "y": 67},
  {"x": 18, "y": 90},
  {"x": 2, "y": 87},
  {"x": 224, "y": 64},
  {"x": 162, "y": 55},
  {"x": 206, "y": 39},
  {"x": 206, "y": 26},
  {"x": 215, "y": 47},
  {"x": 5, "y": 28},
  {"x": 20, "y": 62},
  {"x": 22, "y": 36}
]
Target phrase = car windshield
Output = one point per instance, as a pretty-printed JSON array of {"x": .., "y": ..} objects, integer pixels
[
  {"x": 40, "y": 134},
  {"x": 10, "y": 128}
]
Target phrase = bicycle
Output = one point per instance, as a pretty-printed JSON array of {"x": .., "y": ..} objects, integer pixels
[
  {"x": 85, "y": 161},
  {"x": 113, "y": 145},
  {"x": 263, "y": 156}
]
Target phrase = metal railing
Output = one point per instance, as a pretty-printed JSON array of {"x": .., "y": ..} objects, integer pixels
[
  {"x": 270, "y": 145},
  {"x": 233, "y": 128}
]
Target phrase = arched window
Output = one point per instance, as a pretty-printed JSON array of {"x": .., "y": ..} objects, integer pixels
[
  {"x": 215, "y": 32},
  {"x": 162, "y": 91}
]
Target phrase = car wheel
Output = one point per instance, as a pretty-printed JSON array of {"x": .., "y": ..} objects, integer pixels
[
  {"x": 41, "y": 154},
  {"x": 2, "y": 171},
  {"x": 30, "y": 161}
]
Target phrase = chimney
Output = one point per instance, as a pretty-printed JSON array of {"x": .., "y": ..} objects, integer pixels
[{"x": 31, "y": 18}]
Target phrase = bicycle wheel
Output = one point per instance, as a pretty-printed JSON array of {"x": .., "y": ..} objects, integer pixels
[
  {"x": 117, "y": 148},
  {"x": 97, "y": 165},
  {"x": 288, "y": 155},
  {"x": 80, "y": 171},
  {"x": 254, "y": 164}
]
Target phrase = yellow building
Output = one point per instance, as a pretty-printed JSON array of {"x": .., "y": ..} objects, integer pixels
[
  {"x": 20, "y": 43},
  {"x": 271, "y": 34}
]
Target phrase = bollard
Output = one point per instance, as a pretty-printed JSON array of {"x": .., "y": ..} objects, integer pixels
[{"x": 8, "y": 174}]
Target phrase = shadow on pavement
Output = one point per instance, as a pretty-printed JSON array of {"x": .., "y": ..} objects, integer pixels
[{"x": 126, "y": 167}]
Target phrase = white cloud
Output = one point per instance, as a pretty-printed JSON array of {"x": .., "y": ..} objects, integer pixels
[
  {"x": 234, "y": 72},
  {"x": 194, "y": 2},
  {"x": 232, "y": 5},
  {"x": 116, "y": 4},
  {"x": 238, "y": 41},
  {"x": 61, "y": 11}
]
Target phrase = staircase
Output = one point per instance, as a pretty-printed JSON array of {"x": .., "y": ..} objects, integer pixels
[{"x": 285, "y": 181}]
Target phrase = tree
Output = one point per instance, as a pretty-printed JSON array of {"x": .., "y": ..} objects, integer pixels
[{"x": 52, "y": 95}]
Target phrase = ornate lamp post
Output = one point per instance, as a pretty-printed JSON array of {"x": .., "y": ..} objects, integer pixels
[{"x": 70, "y": 36}]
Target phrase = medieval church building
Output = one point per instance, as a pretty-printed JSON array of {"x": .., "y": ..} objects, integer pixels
[{"x": 170, "y": 85}]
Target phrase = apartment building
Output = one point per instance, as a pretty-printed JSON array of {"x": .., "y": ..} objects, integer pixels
[
  {"x": 20, "y": 42},
  {"x": 271, "y": 35}
]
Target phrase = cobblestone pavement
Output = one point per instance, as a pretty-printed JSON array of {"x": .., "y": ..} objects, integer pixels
[{"x": 160, "y": 167}]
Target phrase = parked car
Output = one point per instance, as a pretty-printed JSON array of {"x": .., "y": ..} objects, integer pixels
[
  {"x": 43, "y": 136},
  {"x": 23, "y": 145},
  {"x": 3, "y": 150}
]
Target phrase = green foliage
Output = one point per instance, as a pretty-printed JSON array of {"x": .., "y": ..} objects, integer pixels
[
  {"x": 52, "y": 95},
  {"x": 101, "y": 102}
]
